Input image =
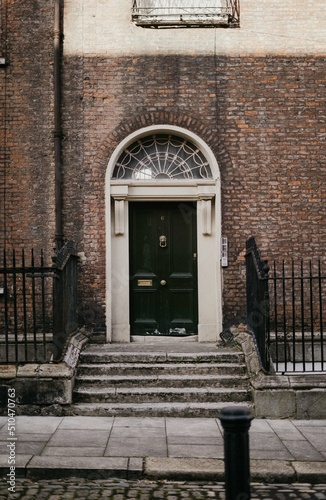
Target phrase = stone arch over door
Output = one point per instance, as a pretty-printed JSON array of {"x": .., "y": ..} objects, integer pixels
[{"x": 155, "y": 164}]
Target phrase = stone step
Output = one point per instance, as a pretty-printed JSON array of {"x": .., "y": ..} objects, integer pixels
[
  {"x": 185, "y": 381},
  {"x": 159, "y": 394},
  {"x": 97, "y": 356},
  {"x": 161, "y": 368},
  {"x": 184, "y": 410},
  {"x": 155, "y": 380}
]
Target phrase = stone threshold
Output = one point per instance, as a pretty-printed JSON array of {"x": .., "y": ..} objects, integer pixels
[{"x": 153, "y": 339}]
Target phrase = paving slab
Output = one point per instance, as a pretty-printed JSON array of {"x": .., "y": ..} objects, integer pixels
[
  {"x": 196, "y": 451},
  {"x": 25, "y": 447},
  {"x": 98, "y": 423},
  {"x": 303, "y": 451},
  {"x": 70, "y": 451},
  {"x": 135, "y": 432},
  {"x": 317, "y": 439},
  {"x": 184, "y": 468},
  {"x": 77, "y": 437},
  {"x": 138, "y": 422},
  {"x": 31, "y": 426},
  {"x": 194, "y": 426},
  {"x": 135, "y": 447},
  {"x": 37, "y": 425},
  {"x": 265, "y": 441},
  {"x": 261, "y": 425},
  {"x": 285, "y": 429},
  {"x": 21, "y": 437},
  {"x": 3, "y": 421}
]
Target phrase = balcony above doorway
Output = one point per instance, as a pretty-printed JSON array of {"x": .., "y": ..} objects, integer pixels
[{"x": 186, "y": 13}]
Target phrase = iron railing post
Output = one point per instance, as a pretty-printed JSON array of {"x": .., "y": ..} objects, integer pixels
[
  {"x": 64, "y": 298},
  {"x": 320, "y": 296},
  {"x": 258, "y": 300}
]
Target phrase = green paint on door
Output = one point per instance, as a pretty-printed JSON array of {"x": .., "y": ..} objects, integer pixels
[{"x": 163, "y": 269}]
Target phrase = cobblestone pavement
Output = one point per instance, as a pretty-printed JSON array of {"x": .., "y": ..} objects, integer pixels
[{"x": 119, "y": 489}]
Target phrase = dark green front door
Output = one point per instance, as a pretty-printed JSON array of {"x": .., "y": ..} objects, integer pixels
[{"x": 163, "y": 268}]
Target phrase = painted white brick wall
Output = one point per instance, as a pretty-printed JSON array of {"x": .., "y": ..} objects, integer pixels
[{"x": 268, "y": 27}]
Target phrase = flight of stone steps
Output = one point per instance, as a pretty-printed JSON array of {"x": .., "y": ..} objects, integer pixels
[{"x": 179, "y": 380}]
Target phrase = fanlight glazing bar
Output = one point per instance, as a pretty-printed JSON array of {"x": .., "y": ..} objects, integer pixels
[{"x": 162, "y": 156}]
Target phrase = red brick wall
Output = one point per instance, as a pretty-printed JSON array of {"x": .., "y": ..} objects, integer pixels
[
  {"x": 264, "y": 119},
  {"x": 2, "y": 157},
  {"x": 26, "y": 94}
]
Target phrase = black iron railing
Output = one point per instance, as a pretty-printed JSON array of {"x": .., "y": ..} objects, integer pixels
[
  {"x": 286, "y": 312},
  {"x": 37, "y": 305},
  {"x": 64, "y": 298},
  {"x": 297, "y": 316},
  {"x": 258, "y": 301}
]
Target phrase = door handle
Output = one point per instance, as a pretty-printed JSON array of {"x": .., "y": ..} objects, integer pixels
[
  {"x": 163, "y": 282},
  {"x": 162, "y": 240}
]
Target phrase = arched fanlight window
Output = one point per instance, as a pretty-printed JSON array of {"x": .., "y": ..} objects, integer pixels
[{"x": 162, "y": 156}]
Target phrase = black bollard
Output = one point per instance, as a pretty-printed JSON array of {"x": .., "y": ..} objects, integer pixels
[{"x": 236, "y": 422}]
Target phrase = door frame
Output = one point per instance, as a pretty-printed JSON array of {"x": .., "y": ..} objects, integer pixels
[{"x": 206, "y": 193}]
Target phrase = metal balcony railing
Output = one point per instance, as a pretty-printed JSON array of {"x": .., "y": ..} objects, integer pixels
[{"x": 186, "y": 13}]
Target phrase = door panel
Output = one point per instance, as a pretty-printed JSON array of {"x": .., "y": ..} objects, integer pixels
[{"x": 163, "y": 281}]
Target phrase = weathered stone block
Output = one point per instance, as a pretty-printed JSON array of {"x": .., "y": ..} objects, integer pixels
[
  {"x": 7, "y": 371},
  {"x": 30, "y": 391},
  {"x": 275, "y": 403},
  {"x": 311, "y": 404}
]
